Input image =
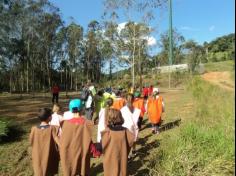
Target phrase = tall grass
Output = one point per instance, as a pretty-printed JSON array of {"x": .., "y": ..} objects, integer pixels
[{"x": 204, "y": 146}]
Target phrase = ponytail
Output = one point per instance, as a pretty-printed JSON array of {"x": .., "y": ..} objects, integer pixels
[{"x": 108, "y": 104}]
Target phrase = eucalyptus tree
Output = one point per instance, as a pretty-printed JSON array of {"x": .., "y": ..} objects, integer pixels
[
  {"x": 27, "y": 35},
  {"x": 133, "y": 42},
  {"x": 178, "y": 41},
  {"x": 110, "y": 48},
  {"x": 134, "y": 10},
  {"x": 74, "y": 36},
  {"x": 109, "y": 45},
  {"x": 49, "y": 24},
  {"x": 194, "y": 53},
  {"x": 92, "y": 57}
]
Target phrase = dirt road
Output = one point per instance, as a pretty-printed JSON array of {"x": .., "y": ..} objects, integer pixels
[{"x": 222, "y": 79}]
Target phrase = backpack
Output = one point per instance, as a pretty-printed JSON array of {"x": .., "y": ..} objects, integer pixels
[{"x": 84, "y": 95}]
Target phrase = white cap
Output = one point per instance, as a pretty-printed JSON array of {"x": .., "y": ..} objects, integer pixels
[{"x": 155, "y": 89}]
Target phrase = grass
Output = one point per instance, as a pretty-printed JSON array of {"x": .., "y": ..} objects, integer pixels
[
  {"x": 202, "y": 145},
  {"x": 220, "y": 66}
]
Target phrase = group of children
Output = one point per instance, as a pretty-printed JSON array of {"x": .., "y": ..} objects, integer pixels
[{"x": 68, "y": 137}]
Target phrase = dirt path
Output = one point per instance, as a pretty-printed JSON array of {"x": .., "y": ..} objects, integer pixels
[{"x": 221, "y": 79}]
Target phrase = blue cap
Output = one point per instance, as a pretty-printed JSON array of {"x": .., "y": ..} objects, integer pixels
[{"x": 75, "y": 103}]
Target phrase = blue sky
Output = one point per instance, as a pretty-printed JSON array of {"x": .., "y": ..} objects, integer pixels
[{"x": 200, "y": 20}]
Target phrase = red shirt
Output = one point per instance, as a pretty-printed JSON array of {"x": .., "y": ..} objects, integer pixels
[
  {"x": 55, "y": 89},
  {"x": 150, "y": 89},
  {"x": 145, "y": 91}
]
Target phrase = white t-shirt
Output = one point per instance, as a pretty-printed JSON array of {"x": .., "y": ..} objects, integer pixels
[
  {"x": 131, "y": 120},
  {"x": 101, "y": 124},
  {"x": 67, "y": 115},
  {"x": 88, "y": 103},
  {"x": 56, "y": 119}
]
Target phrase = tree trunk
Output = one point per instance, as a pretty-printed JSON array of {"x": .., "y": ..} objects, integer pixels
[
  {"x": 134, "y": 47},
  {"x": 48, "y": 69},
  {"x": 66, "y": 83},
  {"x": 110, "y": 71},
  {"x": 140, "y": 69}
]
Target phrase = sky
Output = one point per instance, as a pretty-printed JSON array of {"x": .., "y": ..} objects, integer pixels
[{"x": 200, "y": 20}]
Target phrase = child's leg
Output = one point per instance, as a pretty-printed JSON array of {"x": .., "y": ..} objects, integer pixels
[
  {"x": 140, "y": 122},
  {"x": 53, "y": 97},
  {"x": 153, "y": 128},
  {"x": 157, "y": 128},
  {"x": 57, "y": 95}
]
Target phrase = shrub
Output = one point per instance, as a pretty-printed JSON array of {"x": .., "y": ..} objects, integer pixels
[{"x": 10, "y": 131}]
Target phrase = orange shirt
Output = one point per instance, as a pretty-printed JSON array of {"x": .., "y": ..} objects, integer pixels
[
  {"x": 139, "y": 104},
  {"x": 154, "y": 109},
  {"x": 118, "y": 103}
]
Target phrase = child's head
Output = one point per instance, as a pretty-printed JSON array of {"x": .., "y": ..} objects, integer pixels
[
  {"x": 109, "y": 102},
  {"x": 100, "y": 92},
  {"x": 118, "y": 93},
  {"x": 45, "y": 114},
  {"x": 130, "y": 98},
  {"x": 114, "y": 117},
  {"x": 75, "y": 105},
  {"x": 137, "y": 94},
  {"x": 155, "y": 91},
  {"x": 56, "y": 108}
]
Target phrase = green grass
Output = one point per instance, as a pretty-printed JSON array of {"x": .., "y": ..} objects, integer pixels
[
  {"x": 220, "y": 66},
  {"x": 204, "y": 146}
]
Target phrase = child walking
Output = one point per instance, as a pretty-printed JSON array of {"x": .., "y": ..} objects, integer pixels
[
  {"x": 56, "y": 117},
  {"x": 75, "y": 141},
  {"x": 139, "y": 104},
  {"x": 102, "y": 122},
  {"x": 116, "y": 144},
  {"x": 131, "y": 116},
  {"x": 43, "y": 139},
  {"x": 155, "y": 108},
  {"x": 119, "y": 101}
]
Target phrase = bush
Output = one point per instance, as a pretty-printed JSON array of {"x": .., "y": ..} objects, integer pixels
[{"x": 10, "y": 131}]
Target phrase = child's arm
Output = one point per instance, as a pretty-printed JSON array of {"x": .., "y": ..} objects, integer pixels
[
  {"x": 55, "y": 131},
  {"x": 105, "y": 139},
  {"x": 31, "y": 137}
]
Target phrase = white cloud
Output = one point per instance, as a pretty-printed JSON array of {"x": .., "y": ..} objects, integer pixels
[
  {"x": 212, "y": 28},
  {"x": 121, "y": 26},
  {"x": 187, "y": 28},
  {"x": 150, "y": 39}
]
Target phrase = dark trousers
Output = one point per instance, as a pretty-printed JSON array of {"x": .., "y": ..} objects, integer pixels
[
  {"x": 140, "y": 122},
  {"x": 55, "y": 96},
  {"x": 89, "y": 113},
  {"x": 156, "y": 127}
]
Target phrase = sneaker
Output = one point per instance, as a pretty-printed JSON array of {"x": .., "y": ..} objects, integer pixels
[
  {"x": 134, "y": 153},
  {"x": 157, "y": 132}
]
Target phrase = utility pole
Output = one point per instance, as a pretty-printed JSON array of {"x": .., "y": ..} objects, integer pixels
[{"x": 170, "y": 39}]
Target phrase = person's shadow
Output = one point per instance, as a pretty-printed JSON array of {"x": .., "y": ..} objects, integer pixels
[{"x": 134, "y": 165}]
